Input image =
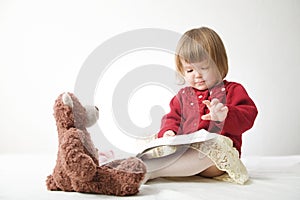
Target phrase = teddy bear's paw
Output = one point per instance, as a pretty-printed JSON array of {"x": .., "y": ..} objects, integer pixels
[
  {"x": 133, "y": 165},
  {"x": 130, "y": 165}
]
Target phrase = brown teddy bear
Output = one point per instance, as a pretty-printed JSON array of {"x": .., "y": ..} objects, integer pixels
[{"x": 77, "y": 166}]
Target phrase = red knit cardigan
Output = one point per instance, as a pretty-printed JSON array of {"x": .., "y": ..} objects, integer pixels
[{"x": 186, "y": 109}]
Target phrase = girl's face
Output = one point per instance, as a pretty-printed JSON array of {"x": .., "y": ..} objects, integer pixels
[{"x": 200, "y": 75}]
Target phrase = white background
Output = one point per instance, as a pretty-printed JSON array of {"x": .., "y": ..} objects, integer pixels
[{"x": 43, "y": 45}]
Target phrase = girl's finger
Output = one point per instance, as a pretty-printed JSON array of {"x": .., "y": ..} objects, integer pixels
[
  {"x": 214, "y": 102},
  {"x": 219, "y": 107},
  {"x": 224, "y": 109},
  {"x": 206, "y": 117},
  {"x": 207, "y": 103}
]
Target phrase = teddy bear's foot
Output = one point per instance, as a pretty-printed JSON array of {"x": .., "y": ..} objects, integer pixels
[
  {"x": 132, "y": 165},
  {"x": 127, "y": 174},
  {"x": 51, "y": 183},
  {"x": 120, "y": 177}
]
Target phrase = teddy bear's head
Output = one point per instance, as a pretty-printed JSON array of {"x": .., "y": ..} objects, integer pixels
[{"x": 69, "y": 112}]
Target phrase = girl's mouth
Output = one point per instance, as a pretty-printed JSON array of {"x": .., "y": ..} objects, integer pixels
[{"x": 199, "y": 82}]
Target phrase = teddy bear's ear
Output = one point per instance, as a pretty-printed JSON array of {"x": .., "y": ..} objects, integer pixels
[{"x": 67, "y": 100}]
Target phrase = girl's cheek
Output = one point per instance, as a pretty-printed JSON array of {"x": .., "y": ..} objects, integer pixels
[{"x": 188, "y": 77}]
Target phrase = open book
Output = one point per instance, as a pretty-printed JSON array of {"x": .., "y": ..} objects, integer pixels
[{"x": 169, "y": 143}]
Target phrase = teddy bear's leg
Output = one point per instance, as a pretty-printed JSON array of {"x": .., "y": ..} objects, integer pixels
[
  {"x": 128, "y": 175},
  {"x": 51, "y": 185},
  {"x": 120, "y": 177},
  {"x": 132, "y": 164}
]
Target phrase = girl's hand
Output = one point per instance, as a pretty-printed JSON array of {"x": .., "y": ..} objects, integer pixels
[
  {"x": 169, "y": 133},
  {"x": 217, "y": 110}
]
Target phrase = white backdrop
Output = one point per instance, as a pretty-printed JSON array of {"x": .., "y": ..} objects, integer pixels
[{"x": 43, "y": 45}]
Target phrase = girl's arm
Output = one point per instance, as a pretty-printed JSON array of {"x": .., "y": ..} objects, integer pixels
[{"x": 171, "y": 121}]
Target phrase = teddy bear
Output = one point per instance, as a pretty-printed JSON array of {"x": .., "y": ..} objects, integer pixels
[{"x": 77, "y": 166}]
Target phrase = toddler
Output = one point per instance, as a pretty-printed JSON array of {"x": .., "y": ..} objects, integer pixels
[{"x": 208, "y": 102}]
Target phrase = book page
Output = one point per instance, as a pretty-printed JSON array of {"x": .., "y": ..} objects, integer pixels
[{"x": 198, "y": 136}]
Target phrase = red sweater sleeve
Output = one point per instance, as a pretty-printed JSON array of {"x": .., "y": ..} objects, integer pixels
[
  {"x": 172, "y": 120},
  {"x": 241, "y": 111}
]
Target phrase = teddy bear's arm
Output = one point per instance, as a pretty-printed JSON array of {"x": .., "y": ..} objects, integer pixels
[{"x": 77, "y": 163}]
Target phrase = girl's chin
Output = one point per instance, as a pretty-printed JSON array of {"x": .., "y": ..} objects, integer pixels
[{"x": 200, "y": 87}]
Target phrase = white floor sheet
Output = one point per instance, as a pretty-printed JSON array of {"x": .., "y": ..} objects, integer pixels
[{"x": 23, "y": 177}]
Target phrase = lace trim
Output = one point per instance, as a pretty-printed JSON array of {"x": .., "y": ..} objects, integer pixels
[
  {"x": 220, "y": 150},
  {"x": 226, "y": 158}
]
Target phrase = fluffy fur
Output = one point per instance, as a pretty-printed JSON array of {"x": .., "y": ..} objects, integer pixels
[{"x": 77, "y": 165}]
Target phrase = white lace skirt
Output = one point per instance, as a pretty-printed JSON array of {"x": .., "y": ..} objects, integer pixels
[
  {"x": 226, "y": 158},
  {"x": 221, "y": 151}
]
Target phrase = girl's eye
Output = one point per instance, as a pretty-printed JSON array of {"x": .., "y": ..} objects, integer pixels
[{"x": 189, "y": 70}]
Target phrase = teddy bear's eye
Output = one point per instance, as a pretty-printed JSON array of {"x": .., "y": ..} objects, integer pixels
[{"x": 97, "y": 108}]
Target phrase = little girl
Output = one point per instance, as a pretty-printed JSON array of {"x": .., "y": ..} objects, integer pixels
[{"x": 210, "y": 103}]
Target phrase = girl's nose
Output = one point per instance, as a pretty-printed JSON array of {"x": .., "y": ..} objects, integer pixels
[{"x": 197, "y": 73}]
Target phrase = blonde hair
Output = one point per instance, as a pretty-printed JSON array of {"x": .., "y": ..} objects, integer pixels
[{"x": 201, "y": 44}]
